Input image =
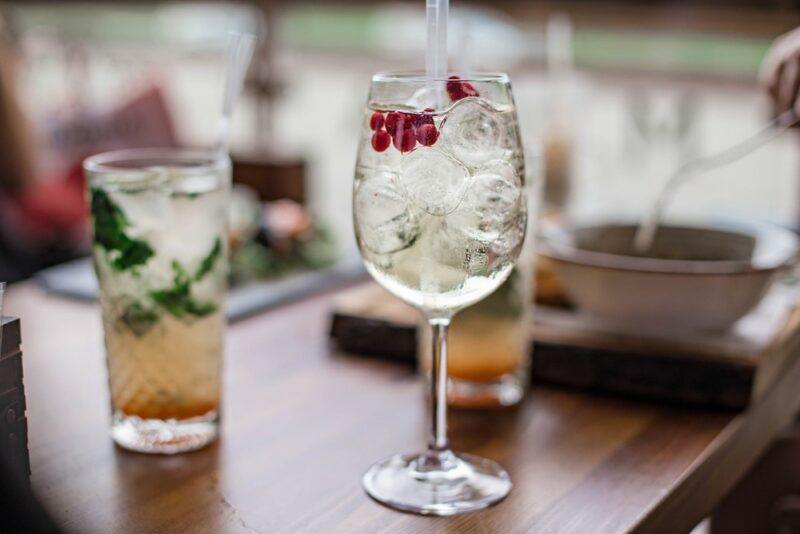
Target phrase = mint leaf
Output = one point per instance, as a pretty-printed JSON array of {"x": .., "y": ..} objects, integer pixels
[
  {"x": 109, "y": 232},
  {"x": 208, "y": 262},
  {"x": 135, "y": 253},
  {"x": 139, "y": 318},
  {"x": 200, "y": 309},
  {"x": 177, "y": 300}
]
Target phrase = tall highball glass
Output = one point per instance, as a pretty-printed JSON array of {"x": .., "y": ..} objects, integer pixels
[
  {"x": 440, "y": 217},
  {"x": 159, "y": 222}
]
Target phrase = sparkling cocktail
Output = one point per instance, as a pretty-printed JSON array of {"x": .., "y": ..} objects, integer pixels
[{"x": 440, "y": 217}]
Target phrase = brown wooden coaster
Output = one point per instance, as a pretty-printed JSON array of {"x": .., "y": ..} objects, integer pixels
[{"x": 723, "y": 370}]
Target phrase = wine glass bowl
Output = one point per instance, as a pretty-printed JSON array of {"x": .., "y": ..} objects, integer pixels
[{"x": 439, "y": 212}]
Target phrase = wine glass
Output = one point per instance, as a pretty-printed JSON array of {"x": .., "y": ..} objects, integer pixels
[{"x": 440, "y": 214}]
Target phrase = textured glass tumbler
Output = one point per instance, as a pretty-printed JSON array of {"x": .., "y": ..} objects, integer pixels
[
  {"x": 489, "y": 359},
  {"x": 159, "y": 222},
  {"x": 489, "y": 356}
]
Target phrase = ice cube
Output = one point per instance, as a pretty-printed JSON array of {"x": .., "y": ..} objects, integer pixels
[
  {"x": 370, "y": 158},
  {"x": 184, "y": 183},
  {"x": 202, "y": 217},
  {"x": 508, "y": 244},
  {"x": 475, "y": 132},
  {"x": 453, "y": 249},
  {"x": 384, "y": 220},
  {"x": 433, "y": 180},
  {"x": 148, "y": 211},
  {"x": 490, "y": 204}
]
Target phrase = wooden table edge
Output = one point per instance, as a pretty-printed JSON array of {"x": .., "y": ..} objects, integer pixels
[{"x": 740, "y": 444}]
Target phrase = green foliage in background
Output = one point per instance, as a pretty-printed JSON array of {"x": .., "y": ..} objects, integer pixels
[{"x": 254, "y": 261}]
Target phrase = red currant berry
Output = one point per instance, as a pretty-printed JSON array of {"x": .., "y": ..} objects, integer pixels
[
  {"x": 418, "y": 119},
  {"x": 454, "y": 88},
  {"x": 381, "y": 140},
  {"x": 425, "y": 118},
  {"x": 468, "y": 90},
  {"x": 411, "y": 119},
  {"x": 427, "y": 134},
  {"x": 458, "y": 89},
  {"x": 404, "y": 139},
  {"x": 376, "y": 121},
  {"x": 393, "y": 119}
]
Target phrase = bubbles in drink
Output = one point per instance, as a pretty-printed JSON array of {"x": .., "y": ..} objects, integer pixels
[
  {"x": 509, "y": 242},
  {"x": 384, "y": 218},
  {"x": 474, "y": 131},
  {"x": 433, "y": 180}
]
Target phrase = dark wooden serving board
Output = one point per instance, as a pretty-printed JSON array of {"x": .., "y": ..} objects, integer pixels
[{"x": 722, "y": 370}]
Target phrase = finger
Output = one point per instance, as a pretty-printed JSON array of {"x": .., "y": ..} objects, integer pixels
[
  {"x": 789, "y": 84},
  {"x": 772, "y": 66},
  {"x": 768, "y": 71},
  {"x": 771, "y": 79},
  {"x": 775, "y": 82}
]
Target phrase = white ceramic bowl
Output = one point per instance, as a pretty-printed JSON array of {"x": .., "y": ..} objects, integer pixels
[{"x": 694, "y": 278}]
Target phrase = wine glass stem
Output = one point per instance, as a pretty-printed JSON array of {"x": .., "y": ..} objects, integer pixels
[{"x": 438, "y": 440}]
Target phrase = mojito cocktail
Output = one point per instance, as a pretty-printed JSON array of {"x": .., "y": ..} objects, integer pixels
[{"x": 159, "y": 222}]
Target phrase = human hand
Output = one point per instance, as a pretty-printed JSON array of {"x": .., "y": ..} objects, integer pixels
[{"x": 780, "y": 72}]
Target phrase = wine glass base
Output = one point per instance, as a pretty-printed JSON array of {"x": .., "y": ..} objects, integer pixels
[{"x": 437, "y": 483}]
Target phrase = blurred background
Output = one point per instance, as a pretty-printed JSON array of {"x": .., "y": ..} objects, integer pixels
[{"x": 617, "y": 94}]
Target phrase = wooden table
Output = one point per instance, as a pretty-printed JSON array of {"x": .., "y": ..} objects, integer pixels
[{"x": 302, "y": 423}]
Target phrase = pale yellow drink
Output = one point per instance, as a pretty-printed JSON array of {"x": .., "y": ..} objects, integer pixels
[{"x": 170, "y": 372}]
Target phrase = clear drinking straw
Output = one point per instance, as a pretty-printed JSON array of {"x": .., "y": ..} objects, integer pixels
[
  {"x": 435, "y": 71},
  {"x": 240, "y": 52},
  {"x": 559, "y": 44},
  {"x": 436, "y": 50}
]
